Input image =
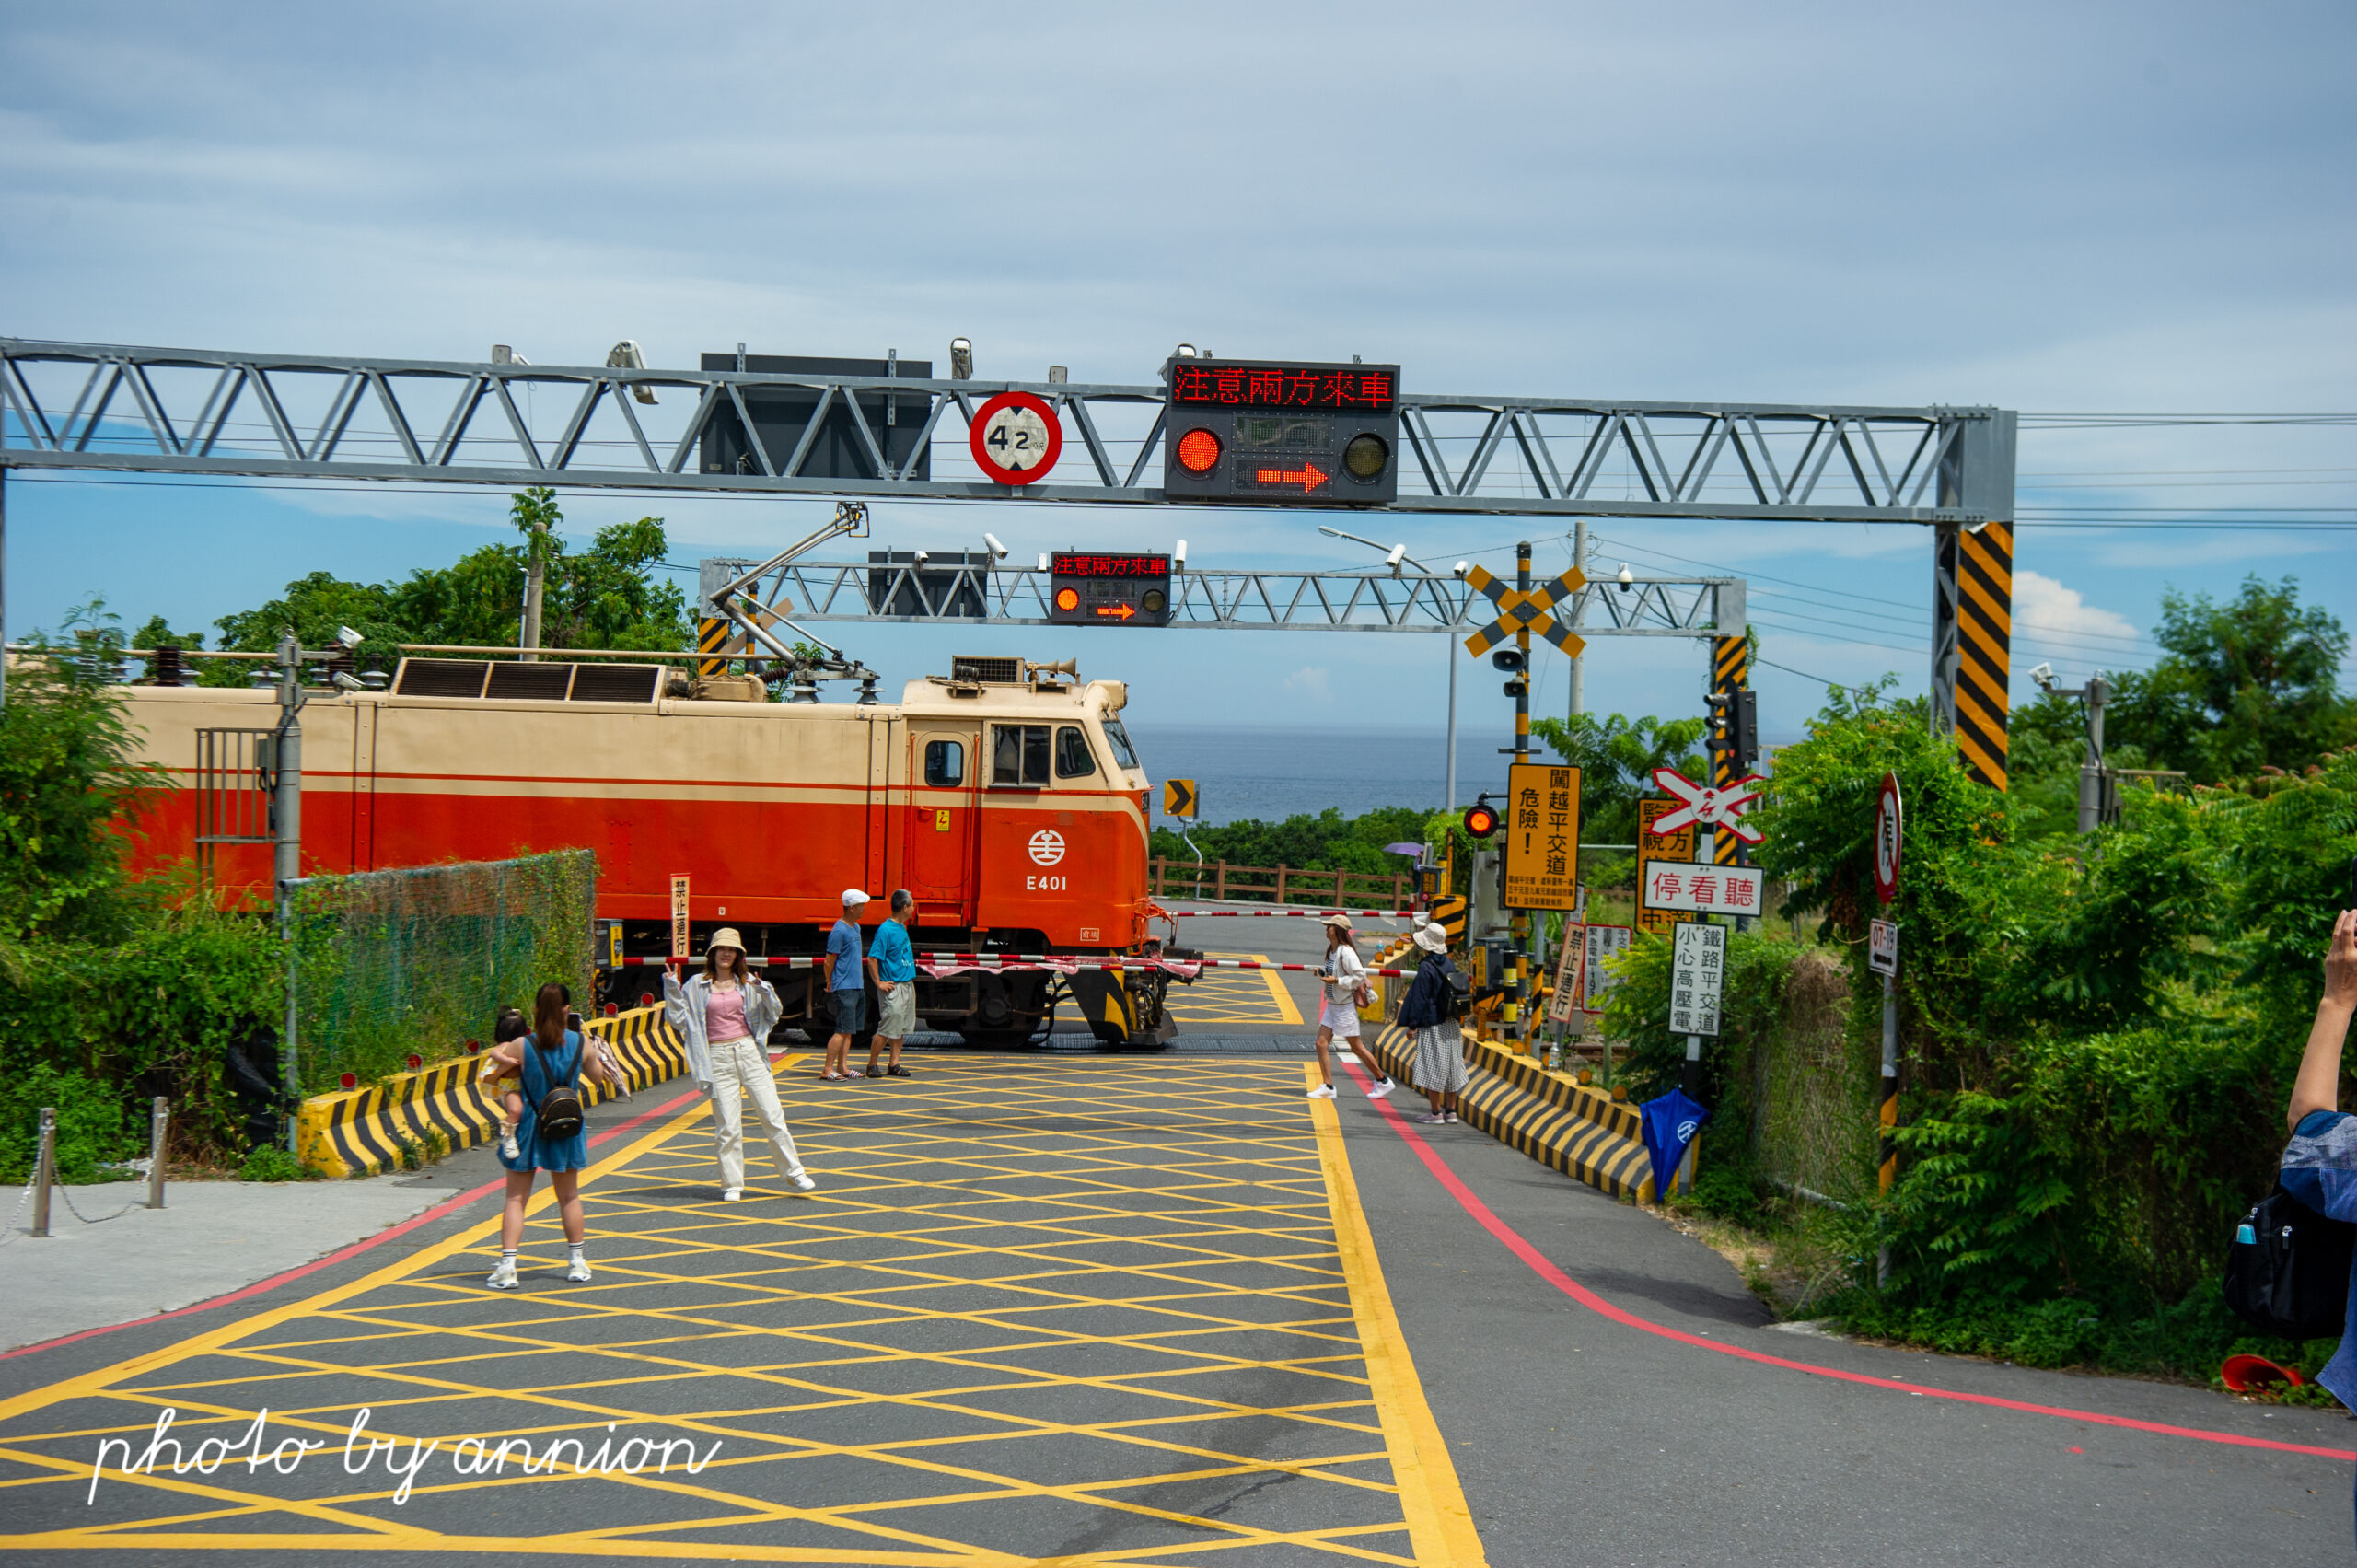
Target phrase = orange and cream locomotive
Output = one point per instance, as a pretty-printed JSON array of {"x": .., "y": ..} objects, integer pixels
[{"x": 1005, "y": 796}]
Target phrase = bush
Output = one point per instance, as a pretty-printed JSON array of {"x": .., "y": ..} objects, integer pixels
[
  {"x": 91, "y": 1129},
  {"x": 268, "y": 1162}
]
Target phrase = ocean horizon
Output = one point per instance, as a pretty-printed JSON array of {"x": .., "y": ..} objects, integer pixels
[{"x": 1269, "y": 773}]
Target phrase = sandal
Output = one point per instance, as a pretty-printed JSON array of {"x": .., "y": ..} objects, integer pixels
[
  {"x": 898, "y": 1072},
  {"x": 832, "y": 1078}
]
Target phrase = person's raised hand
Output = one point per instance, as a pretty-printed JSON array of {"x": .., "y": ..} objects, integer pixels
[{"x": 2340, "y": 961}]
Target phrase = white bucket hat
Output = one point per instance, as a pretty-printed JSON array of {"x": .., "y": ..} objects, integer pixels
[{"x": 1432, "y": 938}]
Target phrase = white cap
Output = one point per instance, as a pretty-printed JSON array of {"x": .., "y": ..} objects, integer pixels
[{"x": 853, "y": 898}]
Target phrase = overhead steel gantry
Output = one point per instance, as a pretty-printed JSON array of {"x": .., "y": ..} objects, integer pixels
[{"x": 65, "y": 405}]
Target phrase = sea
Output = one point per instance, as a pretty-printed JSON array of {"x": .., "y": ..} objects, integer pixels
[{"x": 1271, "y": 773}]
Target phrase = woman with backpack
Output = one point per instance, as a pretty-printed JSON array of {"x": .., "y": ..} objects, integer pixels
[
  {"x": 550, "y": 1060},
  {"x": 1428, "y": 1012}
]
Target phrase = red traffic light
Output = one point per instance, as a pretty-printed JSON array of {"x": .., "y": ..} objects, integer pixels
[
  {"x": 1197, "y": 450},
  {"x": 1067, "y": 599},
  {"x": 1481, "y": 822}
]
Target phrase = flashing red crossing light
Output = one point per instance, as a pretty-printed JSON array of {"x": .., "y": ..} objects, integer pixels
[{"x": 1480, "y": 822}]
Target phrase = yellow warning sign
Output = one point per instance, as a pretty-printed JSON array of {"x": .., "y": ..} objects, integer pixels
[
  {"x": 1178, "y": 797},
  {"x": 1651, "y": 846},
  {"x": 1541, "y": 834}
]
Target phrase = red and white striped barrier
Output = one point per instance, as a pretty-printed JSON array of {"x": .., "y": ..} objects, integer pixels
[
  {"x": 1306, "y": 914},
  {"x": 939, "y": 964}
]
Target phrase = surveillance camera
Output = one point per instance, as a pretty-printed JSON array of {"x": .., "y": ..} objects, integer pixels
[
  {"x": 1399, "y": 552},
  {"x": 2044, "y": 675},
  {"x": 1043, "y": 561},
  {"x": 1184, "y": 351},
  {"x": 998, "y": 550},
  {"x": 348, "y": 637},
  {"x": 345, "y": 682},
  {"x": 1178, "y": 556},
  {"x": 1463, "y": 567},
  {"x": 922, "y": 556}
]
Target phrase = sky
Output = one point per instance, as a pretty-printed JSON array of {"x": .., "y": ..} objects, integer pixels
[{"x": 2063, "y": 211}]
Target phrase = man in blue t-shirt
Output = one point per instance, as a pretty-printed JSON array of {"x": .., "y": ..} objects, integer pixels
[
  {"x": 896, "y": 984},
  {"x": 846, "y": 989}
]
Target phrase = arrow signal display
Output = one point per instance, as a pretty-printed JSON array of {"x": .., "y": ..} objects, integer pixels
[
  {"x": 1309, "y": 476},
  {"x": 1122, "y": 611}
]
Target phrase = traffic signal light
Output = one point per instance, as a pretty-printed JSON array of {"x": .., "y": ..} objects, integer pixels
[
  {"x": 1280, "y": 432},
  {"x": 1734, "y": 727},
  {"x": 1088, "y": 589},
  {"x": 1481, "y": 822}
]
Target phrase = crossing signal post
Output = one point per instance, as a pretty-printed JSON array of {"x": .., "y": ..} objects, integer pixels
[{"x": 1281, "y": 433}]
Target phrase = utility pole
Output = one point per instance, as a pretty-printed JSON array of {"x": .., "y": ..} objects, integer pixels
[
  {"x": 1579, "y": 661},
  {"x": 286, "y": 831},
  {"x": 2097, "y": 691},
  {"x": 1449, "y": 788},
  {"x": 533, "y": 573}
]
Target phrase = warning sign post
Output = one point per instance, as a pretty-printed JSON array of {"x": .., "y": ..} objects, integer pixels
[{"x": 1541, "y": 836}]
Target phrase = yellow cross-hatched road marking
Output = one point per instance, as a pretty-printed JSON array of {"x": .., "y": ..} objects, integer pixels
[
  {"x": 1040, "y": 1309},
  {"x": 1234, "y": 996}
]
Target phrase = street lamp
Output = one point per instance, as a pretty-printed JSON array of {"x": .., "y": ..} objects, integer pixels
[{"x": 1394, "y": 556}]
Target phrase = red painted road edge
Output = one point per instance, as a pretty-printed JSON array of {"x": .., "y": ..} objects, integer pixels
[
  {"x": 428, "y": 1217},
  {"x": 1515, "y": 1244}
]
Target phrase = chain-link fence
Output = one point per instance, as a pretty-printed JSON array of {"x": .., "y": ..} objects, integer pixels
[
  {"x": 394, "y": 964},
  {"x": 1812, "y": 1089}
]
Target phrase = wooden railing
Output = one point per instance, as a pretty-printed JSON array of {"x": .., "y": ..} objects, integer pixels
[{"x": 1219, "y": 881}]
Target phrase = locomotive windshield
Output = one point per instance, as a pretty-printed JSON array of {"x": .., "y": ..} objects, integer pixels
[{"x": 1119, "y": 739}]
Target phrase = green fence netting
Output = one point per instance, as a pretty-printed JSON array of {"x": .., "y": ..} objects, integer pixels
[{"x": 394, "y": 964}]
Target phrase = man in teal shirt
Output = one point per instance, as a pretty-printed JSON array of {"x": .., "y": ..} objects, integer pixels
[{"x": 896, "y": 984}]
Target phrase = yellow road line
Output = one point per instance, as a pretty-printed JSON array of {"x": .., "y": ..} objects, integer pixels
[
  {"x": 1286, "y": 1011},
  {"x": 1440, "y": 1525}
]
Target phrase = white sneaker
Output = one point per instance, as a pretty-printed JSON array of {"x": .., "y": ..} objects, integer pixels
[
  {"x": 504, "y": 1276},
  {"x": 1323, "y": 1091},
  {"x": 733, "y": 1195},
  {"x": 1381, "y": 1090},
  {"x": 802, "y": 1182},
  {"x": 579, "y": 1272},
  {"x": 507, "y": 1145}
]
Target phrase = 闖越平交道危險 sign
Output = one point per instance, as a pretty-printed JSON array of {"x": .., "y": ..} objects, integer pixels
[{"x": 1542, "y": 837}]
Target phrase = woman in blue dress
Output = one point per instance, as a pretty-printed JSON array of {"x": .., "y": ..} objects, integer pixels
[{"x": 551, "y": 1054}]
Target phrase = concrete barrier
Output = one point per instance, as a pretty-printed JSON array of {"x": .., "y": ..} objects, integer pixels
[
  {"x": 1560, "y": 1122},
  {"x": 360, "y": 1132}
]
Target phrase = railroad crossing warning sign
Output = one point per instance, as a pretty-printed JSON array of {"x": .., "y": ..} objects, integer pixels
[
  {"x": 1015, "y": 438},
  {"x": 1708, "y": 806},
  {"x": 1542, "y": 837},
  {"x": 1675, "y": 846},
  {"x": 1517, "y": 611},
  {"x": 1697, "y": 973},
  {"x": 1889, "y": 835},
  {"x": 1178, "y": 797}
]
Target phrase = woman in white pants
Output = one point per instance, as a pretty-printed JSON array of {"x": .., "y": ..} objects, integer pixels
[
  {"x": 725, "y": 1015},
  {"x": 1341, "y": 979}
]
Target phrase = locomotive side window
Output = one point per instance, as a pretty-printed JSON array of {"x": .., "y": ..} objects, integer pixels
[
  {"x": 1019, "y": 754},
  {"x": 1124, "y": 754},
  {"x": 945, "y": 762},
  {"x": 1073, "y": 760}
]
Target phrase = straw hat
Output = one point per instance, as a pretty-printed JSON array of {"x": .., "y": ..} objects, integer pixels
[
  {"x": 1432, "y": 938},
  {"x": 725, "y": 936}
]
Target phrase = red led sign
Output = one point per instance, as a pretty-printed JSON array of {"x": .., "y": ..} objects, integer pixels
[
  {"x": 1345, "y": 389},
  {"x": 1077, "y": 565}
]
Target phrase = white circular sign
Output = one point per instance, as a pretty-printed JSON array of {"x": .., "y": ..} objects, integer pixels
[
  {"x": 1047, "y": 846},
  {"x": 1014, "y": 438}
]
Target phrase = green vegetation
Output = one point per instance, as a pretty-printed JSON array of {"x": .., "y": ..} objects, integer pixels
[
  {"x": 606, "y": 596},
  {"x": 1327, "y": 842}
]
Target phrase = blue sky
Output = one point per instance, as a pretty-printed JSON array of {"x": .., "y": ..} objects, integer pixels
[{"x": 2056, "y": 210}]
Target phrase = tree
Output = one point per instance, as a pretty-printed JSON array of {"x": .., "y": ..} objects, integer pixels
[
  {"x": 1617, "y": 757},
  {"x": 2244, "y": 685}
]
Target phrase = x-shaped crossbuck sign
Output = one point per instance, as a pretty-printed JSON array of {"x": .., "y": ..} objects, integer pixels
[
  {"x": 1517, "y": 609},
  {"x": 1708, "y": 806}
]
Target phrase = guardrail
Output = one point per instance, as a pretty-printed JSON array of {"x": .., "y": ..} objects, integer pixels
[{"x": 1217, "y": 880}]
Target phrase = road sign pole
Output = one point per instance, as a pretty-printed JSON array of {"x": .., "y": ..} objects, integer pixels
[
  {"x": 1449, "y": 788},
  {"x": 1516, "y": 1022},
  {"x": 1888, "y": 1116}
]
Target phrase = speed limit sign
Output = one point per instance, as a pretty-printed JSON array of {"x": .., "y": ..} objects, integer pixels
[
  {"x": 1015, "y": 438},
  {"x": 1889, "y": 836}
]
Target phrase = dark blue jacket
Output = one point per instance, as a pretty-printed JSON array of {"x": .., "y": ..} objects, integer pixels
[{"x": 1420, "y": 1009}]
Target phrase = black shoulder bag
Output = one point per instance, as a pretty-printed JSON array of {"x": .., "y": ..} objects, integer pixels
[{"x": 2287, "y": 1272}]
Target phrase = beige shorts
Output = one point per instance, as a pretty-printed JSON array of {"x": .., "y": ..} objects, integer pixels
[{"x": 897, "y": 1018}]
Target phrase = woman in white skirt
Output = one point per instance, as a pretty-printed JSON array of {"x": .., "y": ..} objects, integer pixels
[
  {"x": 1341, "y": 979},
  {"x": 1428, "y": 1012}
]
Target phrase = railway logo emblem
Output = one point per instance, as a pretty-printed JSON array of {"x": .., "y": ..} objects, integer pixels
[{"x": 1047, "y": 846}]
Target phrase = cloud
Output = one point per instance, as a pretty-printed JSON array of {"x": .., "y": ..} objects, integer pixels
[
  {"x": 2041, "y": 604},
  {"x": 1310, "y": 680}
]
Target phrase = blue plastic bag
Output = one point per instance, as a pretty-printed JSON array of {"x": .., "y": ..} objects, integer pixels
[{"x": 1669, "y": 1124}]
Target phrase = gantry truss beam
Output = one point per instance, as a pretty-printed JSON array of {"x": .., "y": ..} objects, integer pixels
[
  {"x": 1372, "y": 600},
  {"x": 179, "y": 411}
]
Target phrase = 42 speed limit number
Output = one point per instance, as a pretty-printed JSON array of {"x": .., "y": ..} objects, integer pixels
[{"x": 1015, "y": 438}]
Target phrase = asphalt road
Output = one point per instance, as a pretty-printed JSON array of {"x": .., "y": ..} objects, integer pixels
[{"x": 1105, "y": 1309}]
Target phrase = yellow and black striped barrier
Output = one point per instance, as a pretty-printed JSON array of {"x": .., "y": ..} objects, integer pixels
[
  {"x": 1984, "y": 637},
  {"x": 361, "y": 1131},
  {"x": 1553, "y": 1120},
  {"x": 712, "y": 636},
  {"x": 1730, "y": 671}
]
